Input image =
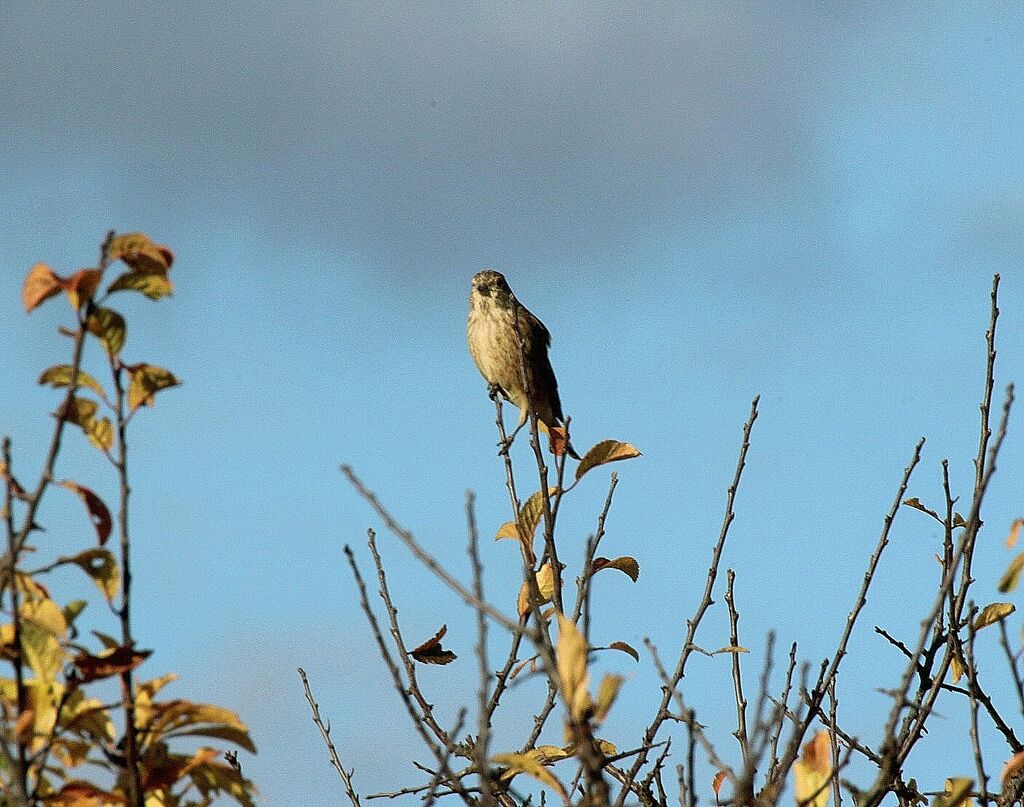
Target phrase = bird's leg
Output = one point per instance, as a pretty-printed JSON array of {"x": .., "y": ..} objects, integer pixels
[
  {"x": 493, "y": 391},
  {"x": 506, "y": 444}
]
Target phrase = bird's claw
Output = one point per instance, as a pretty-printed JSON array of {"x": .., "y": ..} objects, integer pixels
[
  {"x": 493, "y": 391},
  {"x": 505, "y": 445}
]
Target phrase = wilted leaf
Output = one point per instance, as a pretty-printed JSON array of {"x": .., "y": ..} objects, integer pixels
[
  {"x": 165, "y": 771},
  {"x": 717, "y": 780},
  {"x": 98, "y": 512},
  {"x": 959, "y": 521},
  {"x": 1008, "y": 582},
  {"x": 1011, "y": 539},
  {"x": 992, "y": 613},
  {"x": 82, "y": 794},
  {"x": 625, "y": 564},
  {"x": 625, "y": 648},
  {"x": 604, "y": 452},
  {"x": 545, "y": 578},
  {"x": 41, "y": 284},
  {"x": 571, "y": 660},
  {"x": 812, "y": 771},
  {"x": 100, "y": 433},
  {"x": 109, "y": 327},
  {"x": 917, "y": 505},
  {"x": 431, "y": 652},
  {"x": 152, "y": 285},
  {"x": 73, "y": 609},
  {"x": 81, "y": 286},
  {"x": 730, "y": 648},
  {"x": 109, "y": 662},
  {"x": 147, "y": 380},
  {"x": 140, "y": 253},
  {"x": 79, "y": 411},
  {"x": 1013, "y": 767},
  {"x": 558, "y": 440},
  {"x": 60, "y": 376},
  {"x": 958, "y": 792},
  {"x": 606, "y": 694},
  {"x": 521, "y": 666},
  {"x": 100, "y": 565},
  {"x": 957, "y": 669},
  {"x": 532, "y": 766}
]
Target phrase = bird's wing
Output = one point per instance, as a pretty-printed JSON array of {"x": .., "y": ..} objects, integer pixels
[{"x": 543, "y": 381}]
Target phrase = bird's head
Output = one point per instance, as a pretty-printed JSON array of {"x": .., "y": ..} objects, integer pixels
[{"x": 489, "y": 283}]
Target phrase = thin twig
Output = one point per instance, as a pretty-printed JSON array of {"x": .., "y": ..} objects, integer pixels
[
  {"x": 483, "y": 730},
  {"x": 325, "y": 732},
  {"x": 737, "y": 678}
]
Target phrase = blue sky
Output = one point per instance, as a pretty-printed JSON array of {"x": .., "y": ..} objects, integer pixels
[{"x": 702, "y": 202}]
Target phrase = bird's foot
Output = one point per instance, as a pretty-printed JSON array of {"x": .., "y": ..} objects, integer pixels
[
  {"x": 505, "y": 445},
  {"x": 493, "y": 391}
]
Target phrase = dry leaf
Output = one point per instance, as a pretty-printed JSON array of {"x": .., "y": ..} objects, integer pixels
[
  {"x": 812, "y": 771},
  {"x": 98, "y": 512},
  {"x": 571, "y": 660},
  {"x": 431, "y": 652},
  {"x": 625, "y": 564},
  {"x": 604, "y": 452},
  {"x": 625, "y": 648},
  {"x": 992, "y": 613},
  {"x": 41, "y": 284}
]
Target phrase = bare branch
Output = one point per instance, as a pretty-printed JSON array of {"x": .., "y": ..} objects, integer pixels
[{"x": 325, "y": 732}]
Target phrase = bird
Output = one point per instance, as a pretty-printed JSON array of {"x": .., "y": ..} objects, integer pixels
[{"x": 495, "y": 347}]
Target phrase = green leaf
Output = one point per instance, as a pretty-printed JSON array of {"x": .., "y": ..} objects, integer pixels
[
  {"x": 100, "y": 433},
  {"x": 109, "y": 327},
  {"x": 604, "y": 452},
  {"x": 60, "y": 376},
  {"x": 79, "y": 411},
  {"x": 153, "y": 285}
]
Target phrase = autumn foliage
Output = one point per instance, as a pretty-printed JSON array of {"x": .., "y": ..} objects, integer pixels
[{"x": 63, "y": 742}]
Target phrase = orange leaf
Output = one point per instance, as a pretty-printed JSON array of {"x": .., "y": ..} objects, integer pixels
[
  {"x": 1014, "y": 766},
  {"x": 141, "y": 254},
  {"x": 716, "y": 782},
  {"x": 431, "y": 652},
  {"x": 81, "y": 286},
  {"x": 625, "y": 648},
  {"x": 1011, "y": 539},
  {"x": 41, "y": 284},
  {"x": 108, "y": 663},
  {"x": 98, "y": 512},
  {"x": 82, "y": 794}
]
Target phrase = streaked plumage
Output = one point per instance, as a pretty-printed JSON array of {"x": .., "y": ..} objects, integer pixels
[{"x": 495, "y": 348}]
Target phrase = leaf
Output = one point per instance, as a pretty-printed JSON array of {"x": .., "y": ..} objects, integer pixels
[
  {"x": 958, "y": 792},
  {"x": 153, "y": 285},
  {"x": 545, "y": 578},
  {"x": 731, "y": 648},
  {"x": 109, "y": 327},
  {"x": 140, "y": 253},
  {"x": 98, "y": 512},
  {"x": 45, "y": 614},
  {"x": 100, "y": 565},
  {"x": 1008, "y": 582},
  {"x": 79, "y": 411},
  {"x": 1011, "y": 539},
  {"x": 147, "y": 380},
  {"x": 100, "y": 433},
  {"x": 431, "y": 652},
  {"x": 626, "y": 565},
  {"x": 604, "y": 452},
  {"x": 531, "y": 765},
  {"x": 60, "y": 376},
  {"x": 81, "y": 286},
  {"x": 41, "y": 284},
  {"x": 606, "y": 694},
  {"x": 73, "y": 609},
  {"x": 917, "y": 505},
  {"x": 959, "y": 521},
  {"x": 1013, "y": 767},
  {"x": 625, "y": 648},
  {"x": 716, "y": 782},
  {"x": 957, "y": 669},
  {"x": 76, "y": 793},
  {"x": 232, "y": 734},
  {"x": 992, "y": 613},
  {"x": 110, "y": 662},
  {"x": 571, "y": 661},
  {"x": 812, "y": 771}
]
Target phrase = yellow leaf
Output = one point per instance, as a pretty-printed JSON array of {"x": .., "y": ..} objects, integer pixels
[
  {"x": 152, "y": 285},
  {"x": 917, "y": 505},
  {"x": 109, "y": 327},
  {"x": 606, "y": 694},
  {"x": 147, "y": 380},
  {"x": 604, "y": 452},
  {"x": 812, "y": 771},
  {"x": 100, "y": 565},
  {"x": 957, "y": 793},
  {"x": 607, "y": 748},
  {"x": 957, "y": 669},
  {"x": 732, "y": 648},
  {"x": 531, "y": 765},
  {"x": 625, "y": 564},
  {"x": 1008, "y": 582},
  {"x": 507, "y": 530},
  {"x": 41, "y": 284},
  {"x": 79, "y": 411},
  {"x": 100, "y": 433},
  {"x": 60, "y": 376},
  {"x": 545, "y": 578},
  {"x": 992, "y": 613},
  {"x": 45, "y": 614},
  {"x": 571, "y": 660},
  {"x": 625, "y": 648}
]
